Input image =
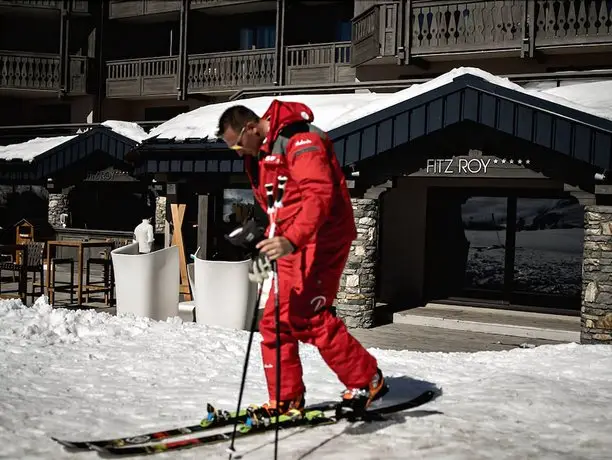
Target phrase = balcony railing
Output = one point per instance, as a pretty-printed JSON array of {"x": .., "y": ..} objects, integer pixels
[
  {"x": 130, "y": 8},
  {"x": 41, "y": 72},
  {"x": 457, "y": 27},
  {"x": 230, "y": 70},
  {"x": 156, "y": 76},
  {"x": 326, "y": 62},
  {"x": 78, "y": 6}
]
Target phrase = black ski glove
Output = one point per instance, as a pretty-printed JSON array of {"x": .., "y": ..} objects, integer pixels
[{"x": 247, "y": 237}]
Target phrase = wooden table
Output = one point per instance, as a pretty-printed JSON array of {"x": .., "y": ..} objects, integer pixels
[{"x": 80, "y": 246}]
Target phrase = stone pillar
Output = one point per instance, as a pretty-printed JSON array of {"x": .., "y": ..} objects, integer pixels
[
  {"x": 356, "y": 298},
  {"x": 160, "y": 214},
  {"x": 596, "y": 312},
  {"x": 58, "y": 204}
]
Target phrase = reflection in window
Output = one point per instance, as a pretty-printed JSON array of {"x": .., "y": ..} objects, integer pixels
[
  {"x": 549, "y": 239},
  {"x": 484, "y": 223}
]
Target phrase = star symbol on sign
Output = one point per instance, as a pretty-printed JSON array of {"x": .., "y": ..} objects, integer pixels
[
  {"x": 495, "y": 161},
  {"x": 519, "y": 161},
  {"x": 511, "y": 162},
  {"x": 503, "y": 160},
  {"x": 527, "y": 162}
]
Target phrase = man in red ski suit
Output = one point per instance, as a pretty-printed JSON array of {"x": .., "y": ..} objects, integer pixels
[{"x": 315, "y": 228}]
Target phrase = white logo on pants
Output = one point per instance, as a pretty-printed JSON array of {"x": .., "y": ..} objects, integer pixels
[{"x": 318, "y": 302}]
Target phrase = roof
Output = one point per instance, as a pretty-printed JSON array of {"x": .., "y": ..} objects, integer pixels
[
  {"x": 40, "y": 158},
  {"x": 541, "y": 118}
]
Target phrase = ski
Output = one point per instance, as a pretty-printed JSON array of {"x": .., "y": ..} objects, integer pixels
[
  {"x": 214, "y": 419},
  {"x": 311, "y": 418}
]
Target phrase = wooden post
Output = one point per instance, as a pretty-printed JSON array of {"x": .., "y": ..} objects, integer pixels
[
  {"x": 203, "y": 213},
  {"x": 178, "y": 214}
]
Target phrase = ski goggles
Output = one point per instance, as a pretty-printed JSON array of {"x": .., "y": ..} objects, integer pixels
[{"x": 237, "y": 145}]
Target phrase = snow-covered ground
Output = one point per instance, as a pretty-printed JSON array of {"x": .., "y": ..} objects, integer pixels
[{"x": 80, "y": 374}]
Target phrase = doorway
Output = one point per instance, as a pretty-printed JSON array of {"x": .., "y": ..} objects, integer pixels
[{"x": 506, "y": 247}]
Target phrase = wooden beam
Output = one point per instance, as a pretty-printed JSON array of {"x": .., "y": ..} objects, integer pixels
[
  {"x": 178, "y": 214},
  {"x": 203, "y": 219}
]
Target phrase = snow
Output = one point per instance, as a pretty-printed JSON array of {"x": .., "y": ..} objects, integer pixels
[
  {"x": 336, "y": 110},
  {"x": 202, "y": 123},
  {"x": 80, "y": 374},
  {"x": 27, "y": 151},
  {"x": 127, "y": 129}
]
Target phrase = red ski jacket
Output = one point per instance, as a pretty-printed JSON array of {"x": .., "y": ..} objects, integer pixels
[{"x": 316, "y": 203}]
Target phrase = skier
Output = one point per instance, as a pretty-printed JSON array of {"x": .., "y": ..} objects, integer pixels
[{"x": 315, "y": 229}]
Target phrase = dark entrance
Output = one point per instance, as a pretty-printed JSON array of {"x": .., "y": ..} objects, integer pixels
[{"x": 512, "y": 248}]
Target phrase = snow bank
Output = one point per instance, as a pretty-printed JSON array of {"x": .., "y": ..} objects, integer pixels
[{"x": 80, "y": 374}]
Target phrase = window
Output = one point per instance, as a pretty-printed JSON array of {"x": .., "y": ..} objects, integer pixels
[
  {"x": 343, "y": 31},
  {"x": 257, "y": 37}
]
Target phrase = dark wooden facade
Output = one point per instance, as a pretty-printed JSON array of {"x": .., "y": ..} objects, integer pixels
[
  {"x": 48, "y": 47},
  {"x": 458, "y": 29},
  {"x": 191, "y": 66}
]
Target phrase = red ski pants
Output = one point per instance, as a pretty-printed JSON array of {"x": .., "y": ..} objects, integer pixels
[{"x": 308, "y": 282}]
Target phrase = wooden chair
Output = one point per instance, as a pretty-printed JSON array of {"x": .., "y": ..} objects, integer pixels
[{"x": 107, "y": 283}]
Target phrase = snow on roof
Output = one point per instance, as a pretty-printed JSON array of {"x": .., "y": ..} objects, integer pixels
[
  {"x": 201, "y": 123},
  {"x": 27, "y": 151},
  {"x": 595, "y": 96},
  {"x": 335, "y": 110},
  {"x": 127, "y": 129}
]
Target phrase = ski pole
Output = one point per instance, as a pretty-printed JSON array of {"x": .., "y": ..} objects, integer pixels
[
  {"x": 282, "y": 181},
  {"x": 245, "y": 366}
]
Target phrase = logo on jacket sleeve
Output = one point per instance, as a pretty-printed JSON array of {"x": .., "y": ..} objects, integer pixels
[{"x": 303, "y": 142}]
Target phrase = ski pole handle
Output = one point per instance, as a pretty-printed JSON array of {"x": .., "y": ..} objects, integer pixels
[
  {"x": 282, "y": 181},
  {"x": 270, "y": 196}
]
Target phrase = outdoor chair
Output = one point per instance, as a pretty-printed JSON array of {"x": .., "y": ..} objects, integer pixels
[{"x": 107, "y": 283}]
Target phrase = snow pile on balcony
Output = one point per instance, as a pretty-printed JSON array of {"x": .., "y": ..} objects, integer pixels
[
  {"x": 336, "y": 110},
  {"x": 27, "y": 151}
]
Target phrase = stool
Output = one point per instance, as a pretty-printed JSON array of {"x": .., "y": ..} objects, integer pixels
[
  {"x": 108, "y": 279},
  {"x": 64, "y": 286}
]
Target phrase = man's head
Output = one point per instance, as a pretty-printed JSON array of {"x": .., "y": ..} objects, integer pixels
[{"x": 242, "y": 130}]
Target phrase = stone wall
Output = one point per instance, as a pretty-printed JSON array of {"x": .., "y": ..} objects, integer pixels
[
  {"x": 58, "y": 204},
  {"x": 160, "y": 214},
  {"x": 596, "y": 312},
  {"x": 356, "y": 298}
]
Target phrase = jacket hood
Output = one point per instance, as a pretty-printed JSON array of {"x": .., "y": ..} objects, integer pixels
[{"x": 281, "y": 114}]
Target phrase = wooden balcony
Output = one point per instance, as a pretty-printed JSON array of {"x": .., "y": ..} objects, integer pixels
[
  {"x": 133, "y": 78},
  {"x": 40, "y": 73},
  {"x": 133, "y": 8},
  {"x": 228, "y": 71},
  {"x": 462, "y": 28},
  {"x": 321, "y": 63},
  {"x": 231, "y": 70},
  {"x": 78, "y": 6}
]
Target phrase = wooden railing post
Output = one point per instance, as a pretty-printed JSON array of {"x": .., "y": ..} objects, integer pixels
[
  {"x": 529, "y": 30},
  {"x": 279, "y": 54},
  {"x": 183, "y": 76},
  {"x": 64, "y": 56}
]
